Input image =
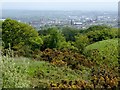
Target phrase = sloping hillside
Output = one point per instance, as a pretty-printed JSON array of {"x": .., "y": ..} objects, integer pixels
[{"x": 104, "y": 51}]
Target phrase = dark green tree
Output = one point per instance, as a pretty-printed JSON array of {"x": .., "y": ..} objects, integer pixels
[
  {"x": 81, "y": 41},
  {"x": 104, "y": 34},
  {"x": 97, "y": 28},
  {"x": 55, "y": 39},
  {"x": 69, "y": 33},
  {"x": 19, "y": 35}
]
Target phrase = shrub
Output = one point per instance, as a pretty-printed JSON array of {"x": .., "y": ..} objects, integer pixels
[
  {"x": 101, "y": 77},
  {"x": 105, "y": 77},
  {"x": 13, "y": 76},
  {"x": 69, "y": 58}
]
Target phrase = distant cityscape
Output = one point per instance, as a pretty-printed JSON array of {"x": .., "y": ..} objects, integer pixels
[{"x": 77, "y": 19}]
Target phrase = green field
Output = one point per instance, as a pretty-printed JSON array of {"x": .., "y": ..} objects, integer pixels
[{"x": 104, "y": 51}]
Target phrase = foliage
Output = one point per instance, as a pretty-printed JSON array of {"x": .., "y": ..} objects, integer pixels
[
  {"x": 43, "y": 32},
  {"x": 94, "y": 34},
  {"x": 1, "y": 24},
  {"x": 69, "y": 33},
  {"x": 55, "y": 39},
  {"x": 1, "y": 79},
  {"x": 0, "y": 33},
  {"x": 77, "y": 84},
  {"x": 65, "y": 57},
  {"x": 97, "y": 28},
  {"x": 104, "y": 52},
  {"x": 105, "y": 77},
  {"x": 18, "y": 35},
  {"x": 99, "y": 35},
  {"x": 13, "y": 76},
  {"x": 42, "y": 73},
  {"x": 58, "y": 62},
  {"x": 101, "y": 77},
  {"x": 81, "y": 41}
]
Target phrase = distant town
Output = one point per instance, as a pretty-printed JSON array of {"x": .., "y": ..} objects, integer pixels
[{"x": 77, "y": 19}]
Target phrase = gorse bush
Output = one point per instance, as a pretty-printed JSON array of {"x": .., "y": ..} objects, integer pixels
[
  {"x": 100, "y": 78},
  {"x": 64, "y": 57},
  {"x": 42, "y": 73},
  {"x": 105, "y": 77},
  {"x": 76, "y": 84}
]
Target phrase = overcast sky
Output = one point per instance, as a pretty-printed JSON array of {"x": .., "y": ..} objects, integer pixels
[
  {"x": 59, "y": 0},
  {"x": 61, "y": 4}
]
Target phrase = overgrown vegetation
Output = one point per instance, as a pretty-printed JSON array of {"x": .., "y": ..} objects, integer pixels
[
  {"x": 13, "y": 75},
  {"x": 59, "y": 57},
  {"x": 104, "y": 52}
]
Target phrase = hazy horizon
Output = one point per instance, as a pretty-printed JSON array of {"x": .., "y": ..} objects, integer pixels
[{"x": 61, "y": 6}]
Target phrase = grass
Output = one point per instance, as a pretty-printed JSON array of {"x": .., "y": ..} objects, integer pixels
[
  {"x": 42, "y": 73},
  {"x": 13, "y": 75},
  {"x": 104, "y": 51}
]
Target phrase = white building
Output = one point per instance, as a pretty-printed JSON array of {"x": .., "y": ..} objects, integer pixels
[{"x": 77, "y": 23}]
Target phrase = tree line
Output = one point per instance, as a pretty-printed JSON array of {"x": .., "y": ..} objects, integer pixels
[{"x": 24, "y": 39}]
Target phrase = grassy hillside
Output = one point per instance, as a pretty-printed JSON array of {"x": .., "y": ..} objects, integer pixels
[
  {"x": 104, "y": 51},
  {"x": 42, "y": 73},
  {"x": 37, "y": 73},
  {"x": 57, "y": 59}
]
